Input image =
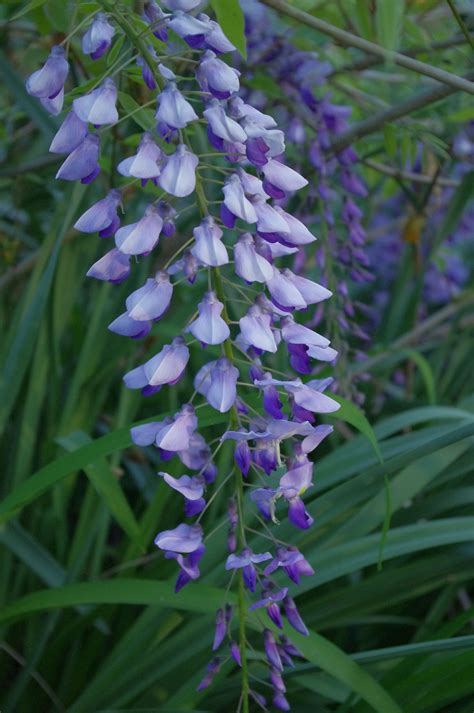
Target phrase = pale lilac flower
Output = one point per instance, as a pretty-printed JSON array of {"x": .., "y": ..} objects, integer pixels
[
  {"x": 239, "y": 109},
  {"x": 83, "y": 163},
  {"x": 256, "y": 330},
  {"x": 47, "y": 82},
  {"x": 298, "y": 232},
  {"x": 178, "y": 177},
  {"x": 127, "y": 327},
  {"x": 284, "y": 293},
  {"x": 55, "y": 105},
  {"x": 98, "y": 37},
  {"x": 151, "y": 301},
  {"x": 281, "y": 177},
  {"x": 69, "y": 135},
  {"x": 168, "y": 365},
  {"x": 98, "y": 107},
  {"x": 221, "y": 125},
  {"x": 174, "y": 111},
  {"x": 246, "y": 561},
  {"x": 176, "y": 436},
  {"x": 209, "y": 248},
  {"x": 140, "y": 238},
  {"x": 190, "y": 487},
  {"x": 269, "y": 222},
  {"x": 145, "y": 164},
  {"x": 217, "y": 77},
  {"x": 114, "y": 267},
  {"x": 209, "y": 327},
  {"x": 183, "y": 539},
  {"x": 262, "y": 144},
  {"x": 217, "y": 382},
  {"x": 101, "y": 217},
  {"x": 189, "y": 28},
  {"x": 236, "y": 204},
  {"x": 215, "y": 39},
  {"x": 249, "y": 264}
]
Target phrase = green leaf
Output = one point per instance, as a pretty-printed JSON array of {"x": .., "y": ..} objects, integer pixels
[
  {"x": 363, "y": 19},
  {"x": 328, "y": 657},
  {"x": 388, "y": 22},
  {"x": 199, "y": 598},
  {"x": 106, "y": 484},
  {"x": 231, "y": 18},
  {"x": 456, "y": 207},
  {"x": 32, "y": 5},
  {"x": 426, "y": 373},
  {"x": 350, "y": 413}
]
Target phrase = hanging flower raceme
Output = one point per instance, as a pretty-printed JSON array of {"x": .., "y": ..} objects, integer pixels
[{"x": 236, "y": 239}]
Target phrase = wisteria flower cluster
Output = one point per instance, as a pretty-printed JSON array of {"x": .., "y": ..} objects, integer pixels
[{"x": 244, "y": 241}]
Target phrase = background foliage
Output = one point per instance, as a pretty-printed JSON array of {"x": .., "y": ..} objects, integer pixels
[{"x": 89, "y": 621}]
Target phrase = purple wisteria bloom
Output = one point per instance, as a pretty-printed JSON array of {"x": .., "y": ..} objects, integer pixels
[
  {"x": 293, "y": 563},
  {"x": 217, "y": 381},
  {"x": 98, "y": 107},
  {"x": 102, "y": 217},
  {"x": 209, "y": 248},
  {"x": 271, "y": 602},
  {"x": 246, "y": 561},
  {"x": 256, "y": 330},
  {"x": 113, "y": 267},
  {"x": 174, "y": 111},
  {"x": 209, "y": 327},
  {"x": 70, "y": 134},
  {"x": 215, "y": 39},
  {"x": 48, "y": 82},
  {"x": 249, "y": 264},
  {"x": 145, "y": 164},
  {"x": 154, "y": 15},
  {"x": 98, "y": 37},
  {"x": 151, "y": 301},
  {"x": 183, "y": 539},
  {"x": 178, "y": 177},
  {"x": 140, "y": 238},
  {"x": 82, "y": 164},
  {"x": 189, "y": 28},
  {"x": 216, "y": 76},
  {"x": 189, "y": 566},
  {"x": 166, "y": 367}
]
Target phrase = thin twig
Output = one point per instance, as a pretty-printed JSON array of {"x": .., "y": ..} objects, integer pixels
[{"x": 350, "y": 40}]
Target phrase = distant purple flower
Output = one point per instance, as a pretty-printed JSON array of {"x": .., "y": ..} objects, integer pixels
[
  {"x": 98, "y": 37},
  {"x": 47, "y": 82},
  {"x": 293, "y": 616},
  {"x": 212, "y": 669},
  {"x": 221, "y": 629},
  {"x": 271, "y": 650}
]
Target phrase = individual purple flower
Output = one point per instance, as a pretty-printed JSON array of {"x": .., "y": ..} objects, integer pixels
[
  {"x": 298, "y": 233},
  {"x": 140, "y": 238},
  {"x": 190, "y": 487},
  {"x": 178, "y": 177},
  {"x": 98, "y": 107},
  {"x": 293, "y": 616},
  {"x": 183, "y": 539},
  {"x": 256, "y": 330},
  {"x": 271, "y": 602},
  {"x": 147, "y": 73},
  {"x": 166, "y": 367},
  {"x": 174, "y": 111},
  {"x": 127, "y": 327},
  {"x": 233, "y": 518},
  {"x": 189, "y": 566},
  {"x": 294, "y": 333},
  {"x": 293, "y": 563},
  {"x": 221, "y": 629},
  {"x": 271, "y": 650},
  {"x": 83, "y": 163},
  {"x": 151, "y": 301},
  {"x": 209, "y": 327},
  {"x": 48, "y": 82},
  {"x": 246, "y": 561},
  {"x": 222, "y": 126},
  {"x": 154, "y": 15},
  {"x": 176, "y": 436},
  {"x": 189, "y": 28},
  {"x": 235, "y": 652},
  {"x": 168, "y": 214},
  {"x": 209, "y": 248},
  {"x": 215, "y": 39},
  {"x": 146, "y": 163},
  {"x": 262, "y": 144},
  {"x": 249, "y": 264},
  {"x": 239, "y": 110},
  {"x": 212, "y": 669},
  {"x": 101, "y": 217},
  {"x": 280, "y": 178},
  {"x": 217, "y": 381},
  {"x": 243, "y": 457},
  {"x": 216, "y": 76},
  {"x": 69, "y": 135},
  {"x": 185, "y": 5},
  {"x": 113, "y": 267},
  {"x": 270, "y": 224},
  {"x": 98, "y": 37},
  {"x": 236, "y": 204},
  {"x": 280, "y": 702}
]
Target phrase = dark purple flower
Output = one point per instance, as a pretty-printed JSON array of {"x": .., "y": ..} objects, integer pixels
[{"x": 245, "y": 561}]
